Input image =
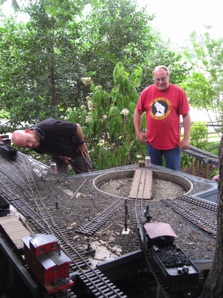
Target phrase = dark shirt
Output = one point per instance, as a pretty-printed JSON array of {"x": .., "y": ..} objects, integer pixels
[{"x": 57, "y": 137}]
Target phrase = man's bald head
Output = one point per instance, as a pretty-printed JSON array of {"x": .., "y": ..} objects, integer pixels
[{"x": 25, "y": 138}]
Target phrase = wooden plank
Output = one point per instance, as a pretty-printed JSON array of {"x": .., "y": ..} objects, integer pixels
[
  {"x": 8, "y": 219},
  {"x": 15, "y": 229},
  {"x": 142, "y": 184},
  {"x": 135, "y": 183}
]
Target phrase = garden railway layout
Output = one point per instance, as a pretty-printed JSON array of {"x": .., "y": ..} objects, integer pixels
[{"x": 69, "y": 207}]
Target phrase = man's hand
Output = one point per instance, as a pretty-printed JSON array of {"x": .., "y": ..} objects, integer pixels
[
  {"x": 142, "y": 137},
  {"x": 83, "y": 149},
  {"x": 65, "y": 159},
  {"x": 184, "y": 144}
]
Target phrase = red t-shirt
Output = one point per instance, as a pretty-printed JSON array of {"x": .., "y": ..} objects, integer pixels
[{"x": 163, "y": 110}]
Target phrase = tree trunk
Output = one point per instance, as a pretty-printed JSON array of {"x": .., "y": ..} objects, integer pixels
[{"x": 213, "y": 287}]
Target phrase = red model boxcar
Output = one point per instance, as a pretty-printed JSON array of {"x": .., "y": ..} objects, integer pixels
[{"x": 47, "y": 261}]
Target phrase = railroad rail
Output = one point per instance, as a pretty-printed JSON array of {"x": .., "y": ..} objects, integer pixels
[
  {"x": 41, "y": 220},
  {"x": 199, "y": 155},
  {"x": 192, "y": 217},
  {"x": 206, "y": 157},
  {"x": 142, "y": 214},
  {"x": 212, "y": 206},
  {"x": 95, "y": 223},
  {"x": 140, "y": 202}
]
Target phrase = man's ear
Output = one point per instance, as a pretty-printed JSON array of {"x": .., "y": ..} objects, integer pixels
[{"x": 27, "y": 130}]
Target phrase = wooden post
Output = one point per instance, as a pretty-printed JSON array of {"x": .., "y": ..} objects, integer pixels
[
  {"x": 197, "y": 167},
  {"x": 192, "y": 166},
  {"x": 207, "y": 170}
]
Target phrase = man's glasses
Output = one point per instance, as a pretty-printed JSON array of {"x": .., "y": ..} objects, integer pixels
[{"x": 160, "y": 79}]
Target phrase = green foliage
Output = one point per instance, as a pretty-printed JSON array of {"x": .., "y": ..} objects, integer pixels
[
  {"x": 40, "y": 70},
  {"x": 204, "y": 86},
  {"x": 199, "y": 139},
  {"x": 44, "y": 59},
  {"x": 118, "y": 31},
  {"x": 107, "y": 121},
  {"x": 213, "y": 147},
  {"x": 115, "y": 31},
  {"x": 15, "y": 4},
  {"x": 4, "y": 114},
  {"x": 199, "y": 135},
  {"x": 185, "y": 161}
]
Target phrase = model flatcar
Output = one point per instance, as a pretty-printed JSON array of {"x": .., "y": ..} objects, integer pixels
[
  {"x": 7, "y": 151},
  {"x": 48, "y": 263},
  {"x": 176, "y": 270}
]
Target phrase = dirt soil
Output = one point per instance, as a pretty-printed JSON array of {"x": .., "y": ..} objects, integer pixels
[{"x": 122, "y": 187}]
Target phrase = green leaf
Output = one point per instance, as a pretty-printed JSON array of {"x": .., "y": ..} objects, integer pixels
[{"x": 114, "y": 111}]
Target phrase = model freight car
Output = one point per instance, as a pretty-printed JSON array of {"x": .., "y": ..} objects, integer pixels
[
  {"x": 48, "y": 263},
  {"x": 5, "y": 139},
  {"x": 176, "y": 270},
  {"x": 8, "y": 152}
]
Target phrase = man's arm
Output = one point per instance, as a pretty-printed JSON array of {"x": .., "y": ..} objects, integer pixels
[
  {"x": 184, "y": 144},
  {"x": 82, "y": 145},
  {"x": 137, "y": 124},
  {"x": 80, "y": 135},
  {"x": 63, "y": 158}
]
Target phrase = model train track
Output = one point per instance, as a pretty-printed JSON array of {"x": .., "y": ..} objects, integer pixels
[
  {"x": 163, "y": 287},
  {"x": 205, "y": 156},
  {"x": 199, "y": 202},
  {"x": 97, "y": 222},
  {"x": 100, "y": 285},
  {"x": 197, "y": 220},
  {"x": 43, "y": 223},
  {"x": 39, "y": 218},
  {"x": 156, "y": 273},
  {"x": 139, "y": 210},
  {"x": 142, "y": 215},
  {"x": 96, "y": 281}
]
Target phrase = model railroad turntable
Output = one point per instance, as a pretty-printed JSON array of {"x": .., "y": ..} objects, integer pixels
[{"x": 175, "y": 272}]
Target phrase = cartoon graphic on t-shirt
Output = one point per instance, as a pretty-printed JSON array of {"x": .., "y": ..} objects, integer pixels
[{"x": 160, "y": 108}]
